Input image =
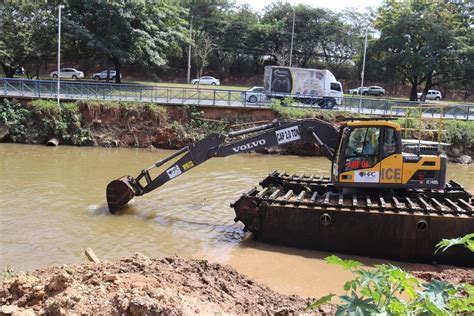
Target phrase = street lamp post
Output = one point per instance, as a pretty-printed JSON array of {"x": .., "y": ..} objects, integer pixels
[
  {"x": 61, "y": 6},
  {"x": 189, "y": 49},
  {"x": 363, "y": 70},
  {"x": 292, "y": 36}
]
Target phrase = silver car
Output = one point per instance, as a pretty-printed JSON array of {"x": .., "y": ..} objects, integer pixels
[
  {"x": 253, "y": 95},
  {"x": 67, "y": 73},
  {"x": 374, "y": 90},
  {"x": 206, "y": 80},
  {"x": 103, "y": 75},
  {"x": 431, "y": 95}
]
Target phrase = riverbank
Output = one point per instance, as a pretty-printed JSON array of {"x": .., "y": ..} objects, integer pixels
[
  {"x": 146, "y": 125},
  {"x": 128, "y": 124},
  {"x": 138, "y": 285}
]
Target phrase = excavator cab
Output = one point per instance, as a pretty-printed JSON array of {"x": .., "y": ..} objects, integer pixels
[{"x": 370, "y": 155}]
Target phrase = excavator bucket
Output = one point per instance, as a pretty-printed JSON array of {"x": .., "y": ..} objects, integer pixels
[{"x": 119, "y": 192}]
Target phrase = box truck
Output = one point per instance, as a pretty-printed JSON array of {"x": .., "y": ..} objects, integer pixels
[{"x": 308, "y": 86}]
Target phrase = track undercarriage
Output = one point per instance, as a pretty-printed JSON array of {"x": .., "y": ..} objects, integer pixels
[{"x": 309, "y": 212}]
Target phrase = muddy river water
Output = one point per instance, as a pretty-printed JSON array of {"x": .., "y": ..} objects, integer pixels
[{"x": 52, "y": 207}]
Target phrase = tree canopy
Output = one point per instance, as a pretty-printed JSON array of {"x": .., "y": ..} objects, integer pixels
[
  {"x": 133, "y": 32},
  {"x": 420, "y": 44},
  {"x": 423, "y": 42}
]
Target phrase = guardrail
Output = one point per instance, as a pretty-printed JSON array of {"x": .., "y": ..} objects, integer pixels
[
  {"x": 393, "y": 107},
  {"x": 83, "y": 90}
]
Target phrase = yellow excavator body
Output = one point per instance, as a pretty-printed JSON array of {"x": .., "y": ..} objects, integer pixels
[{"x": 370, "y": 154}]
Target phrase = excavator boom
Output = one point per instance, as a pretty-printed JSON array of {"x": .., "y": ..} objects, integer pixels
[{"x": 121, "y": 191}]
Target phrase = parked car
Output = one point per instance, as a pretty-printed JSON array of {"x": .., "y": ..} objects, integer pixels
[
  {"x": 206, "y": 80},
  {"x": 253, "y": 95},
  {"x": 431, "y": 95},
  {"x": 67, "y": 73},
  {"x": 358, "y": 90},
  {"x": 103, "y": 75},
  {"x": 374, "y": 90}
]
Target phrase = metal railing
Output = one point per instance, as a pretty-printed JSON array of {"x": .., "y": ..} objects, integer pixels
[{"x": 84, "y": 90}]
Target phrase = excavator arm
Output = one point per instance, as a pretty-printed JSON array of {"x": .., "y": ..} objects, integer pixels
[{"x": 122, "y": 190}]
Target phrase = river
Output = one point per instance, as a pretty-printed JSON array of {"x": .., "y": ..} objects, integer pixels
[{"x": 52, "y": 207}]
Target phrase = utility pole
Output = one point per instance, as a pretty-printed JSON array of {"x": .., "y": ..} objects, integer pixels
[
  {"x": 363, "y": 69},
  {"x": 61, "y": 6},
  {"x": 292, "y": 35},
  {"x": 189, "y": 49}
]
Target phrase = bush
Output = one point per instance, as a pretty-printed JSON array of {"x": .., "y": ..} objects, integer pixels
[
  {"x": 381, "y": 291},
  {"x": 43, "y": 120},
  {"x": 15, "y": 117},
  {"x": 198, "y": 127},
  {"x": 388, "y": 290},
  {"x": 460, "y": 132}
]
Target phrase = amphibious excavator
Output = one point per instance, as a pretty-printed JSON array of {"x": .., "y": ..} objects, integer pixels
[{"x": 385, "y": 197}]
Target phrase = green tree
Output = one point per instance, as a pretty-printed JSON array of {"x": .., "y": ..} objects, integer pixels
[
  {"x": 212, "y": 18},
  {"x": 125, "y": 32},
  {"x": 29, "y": 34},
  {"x": 321, "y": 37},
  {"x": 202, "y": 48},
  {"x": 421, "y": 41},
  {"x": 235, "y": 47}
]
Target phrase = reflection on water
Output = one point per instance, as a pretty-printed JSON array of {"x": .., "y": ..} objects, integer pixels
[{"x": 52, "y": 207}]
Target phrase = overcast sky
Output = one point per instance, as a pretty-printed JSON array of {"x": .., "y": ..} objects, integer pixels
[{"x": 334, "y": 5}]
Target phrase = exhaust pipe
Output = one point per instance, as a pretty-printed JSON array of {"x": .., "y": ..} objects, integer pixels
[{"x": 118, "y": 193}]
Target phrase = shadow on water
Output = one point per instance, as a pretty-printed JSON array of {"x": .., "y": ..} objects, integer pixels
[
  {"x": 249, "y": 243},
  {"x": 219, "y": 233}
]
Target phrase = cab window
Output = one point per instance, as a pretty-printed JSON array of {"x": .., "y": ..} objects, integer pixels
[
  {"x": 362, "y": 148},
  {"x": 390, "y": 142},
  {"x": 335, "y": 86}
]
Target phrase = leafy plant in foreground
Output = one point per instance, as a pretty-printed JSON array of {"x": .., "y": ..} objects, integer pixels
[
  {"x": 389, "y": 290},
  {"x": 467, "y": 241}
]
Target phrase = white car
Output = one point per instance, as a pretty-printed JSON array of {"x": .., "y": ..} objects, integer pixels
[
  {"x": 357, "y": 90},
  {"x": 431, "y": 95},
  {"x": 253, "y": 95},
  {"x": 206, "y": 80},
  {"x": 103, "y": 75},
  {"x": 67, "y": 73}
]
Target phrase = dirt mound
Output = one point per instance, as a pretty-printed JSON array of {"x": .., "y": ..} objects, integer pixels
[
  {"x": 139, "y": 285},
  {"x": 449, "y": 274}
]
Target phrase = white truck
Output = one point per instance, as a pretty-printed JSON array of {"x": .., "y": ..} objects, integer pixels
[{"x": 308, "y": 86}]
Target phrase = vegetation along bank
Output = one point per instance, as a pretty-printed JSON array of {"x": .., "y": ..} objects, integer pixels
[{"x": 146, "y": 125}]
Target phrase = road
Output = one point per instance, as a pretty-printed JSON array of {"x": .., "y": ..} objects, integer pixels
[{"x": 209, "y": 97}]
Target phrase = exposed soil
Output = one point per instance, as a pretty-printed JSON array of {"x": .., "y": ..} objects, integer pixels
[
  {"x": 139, "y": 285},
  {"x": 171, "y": 127},
  {"x": 442, "y": 273}
]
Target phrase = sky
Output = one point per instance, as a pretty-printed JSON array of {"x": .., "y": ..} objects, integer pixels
[{"x": 334, "y": 5}]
